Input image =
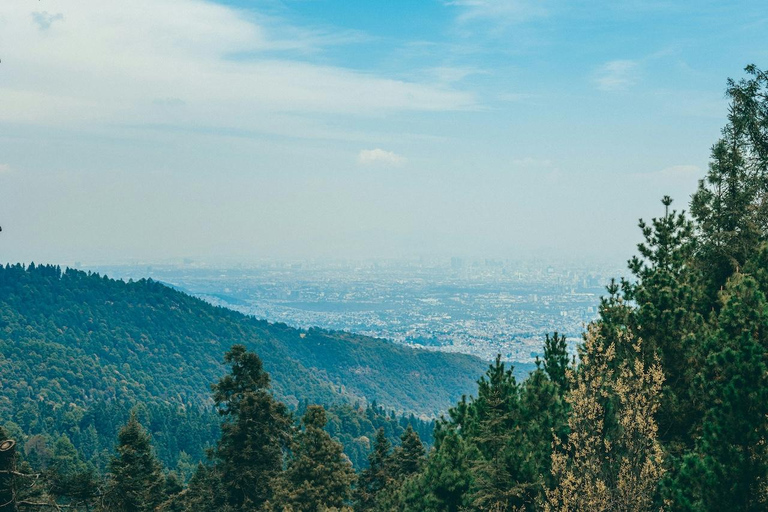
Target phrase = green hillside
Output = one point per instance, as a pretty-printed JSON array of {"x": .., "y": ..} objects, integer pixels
[{"x": 75, "y": 337}]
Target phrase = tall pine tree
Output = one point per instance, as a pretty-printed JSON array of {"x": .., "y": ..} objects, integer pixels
[
  {"x": 135, "y": 476},
  {"x": 318, "y": 476},
  {"x": 255, "y": 431}
]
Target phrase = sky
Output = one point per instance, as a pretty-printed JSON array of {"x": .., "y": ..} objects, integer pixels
[{"x": 234, "y": 131}]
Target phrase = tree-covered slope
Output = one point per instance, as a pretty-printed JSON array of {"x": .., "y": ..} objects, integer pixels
[{"x": 76, "y": 337}]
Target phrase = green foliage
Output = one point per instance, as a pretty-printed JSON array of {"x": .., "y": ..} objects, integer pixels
[
  {"x": 493, "y": 453},
  {"x": 135, "y": 477},
  {"x": 355, "y": 428},
  {"x": 728, "y": 469},
  {"x": 256, "y": 428},
  {"x": 730, "y": 205},
  {"x": 667, "y": 319},
  {"x": 78, "y": 338},
  {"x": 71, "y": 480},
  {"x": 377, "y": 476},
  {"x": 409, "y": 457},
  {"x": 556, "y": 359},
  {"x": 317, "y": 477}
]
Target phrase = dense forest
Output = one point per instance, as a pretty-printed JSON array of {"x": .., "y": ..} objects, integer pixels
[
  {"x": 665, "y": 408},
  {"x": 70, "y": 337}
]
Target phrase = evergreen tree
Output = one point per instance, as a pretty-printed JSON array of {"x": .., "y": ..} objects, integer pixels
[
  {"x": 71, "y": 478},
  {"x": 255, "y": 430},
  {"x": 377, "y": 476},
  {"x": 443, "y": 485},
  {"x": 543, "y": 416},
  {"x": 611, "y": 459},
  {"x": 204, "y": 493},
  {"x": 666, "y": 318},
  {"x": 408, "y": 458},
  {"x": 731, "y": 203},
  {"x": 556, "y": 359},
  {"x": 494, "y": 433},
  {"x": 729, "y": 468},
  {"x": 135, "y": 477},
  {"x": 172, "y": 491},
  {"x": 318, "y": 476}
]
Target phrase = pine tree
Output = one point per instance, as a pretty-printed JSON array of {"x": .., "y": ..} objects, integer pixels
[
  {"x": 408, "y": 458},
  {"x": 543, "y": 415},
  {"x": 205, "y": 492},
  {"x": 612, "y": 460},
  {"x": 377, "y": 476},
  {"x": 443, "y": 485},
  {"x": 666, "y": 318},
  {"x": 255, "y": 430},
  {"x": 318, "y": 476},
  {"x": 729, "y": 468},
  {"x": 556, "y": 359},
  {"x": 499, "y": 480},
  {"x": 71, "y": 478},
  {"x": 135, "y": 476},
  {"x": 731, "y": 203}
]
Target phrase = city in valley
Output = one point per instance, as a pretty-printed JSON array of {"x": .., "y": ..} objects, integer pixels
[{"x": 480, "y": 307}]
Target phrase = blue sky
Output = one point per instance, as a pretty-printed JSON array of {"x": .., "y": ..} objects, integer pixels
[{"x": 234, "y": 131}]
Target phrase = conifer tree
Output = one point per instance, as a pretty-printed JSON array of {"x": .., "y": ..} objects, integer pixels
[
  {"x": 443, "y": 485},
  {"x": 377, "y": 476},
  {"x": 666, "y": 318},
  {"x": 408, "y": 458},
  {"x": 135, "y": 476},
  {"x": 729, "y": 468},
  {"x": 556, "y": 359},
  {"x": 543, "y": 414},
  {"x": 71, "y": 478},
  {"x": 493, "y": 431},
  {"x": 731, "y": 203},
  {"x": 318, "y": 476},
  {"x": 256, "y": 428},
  {"x": 611, "y": 459},
  {"x": 204, "y": 493}
]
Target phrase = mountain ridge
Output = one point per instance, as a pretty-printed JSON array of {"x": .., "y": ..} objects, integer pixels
[{"x": 144, "y": 340}]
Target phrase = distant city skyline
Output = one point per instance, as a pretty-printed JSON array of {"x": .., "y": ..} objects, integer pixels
[
  {"x": 480, "y": 308},
  {"x": 236, "y": 131}
]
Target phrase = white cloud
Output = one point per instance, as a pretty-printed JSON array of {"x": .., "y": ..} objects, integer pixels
[
  {"x": 5, "y": 168},
  {"x": 616, "y": 75},
  {"x": 118, "y": 63},
  {"x": 379, "y": 156},
  {"x": 45, "y": 19}
]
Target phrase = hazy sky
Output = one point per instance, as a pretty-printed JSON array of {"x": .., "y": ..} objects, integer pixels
[{"x": 155, "y": 129}]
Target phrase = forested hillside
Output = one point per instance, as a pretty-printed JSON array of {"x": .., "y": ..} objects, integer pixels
[{"x": 76, "y": 338}]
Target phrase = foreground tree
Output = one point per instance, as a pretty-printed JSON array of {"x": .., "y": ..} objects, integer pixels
[
  {"x": 255, "y": 431},
  {"x": 377, "y": 476},
  {"x": 408, "y": 458},
  {"x": 443, "y": 485},
  {"x": 666, "y": 317},
  {"x": 731, "y": 203},
  {"x": 318, "y": 476},
  {"x": 611, "y": 460},
  {"x": 728, "y": 470},
  {"x": 135, "y": 476},
  {"x": 70, "y": 479}
]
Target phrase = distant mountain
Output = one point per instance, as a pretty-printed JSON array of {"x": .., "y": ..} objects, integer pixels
[{"x": 76, "y": 337}]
